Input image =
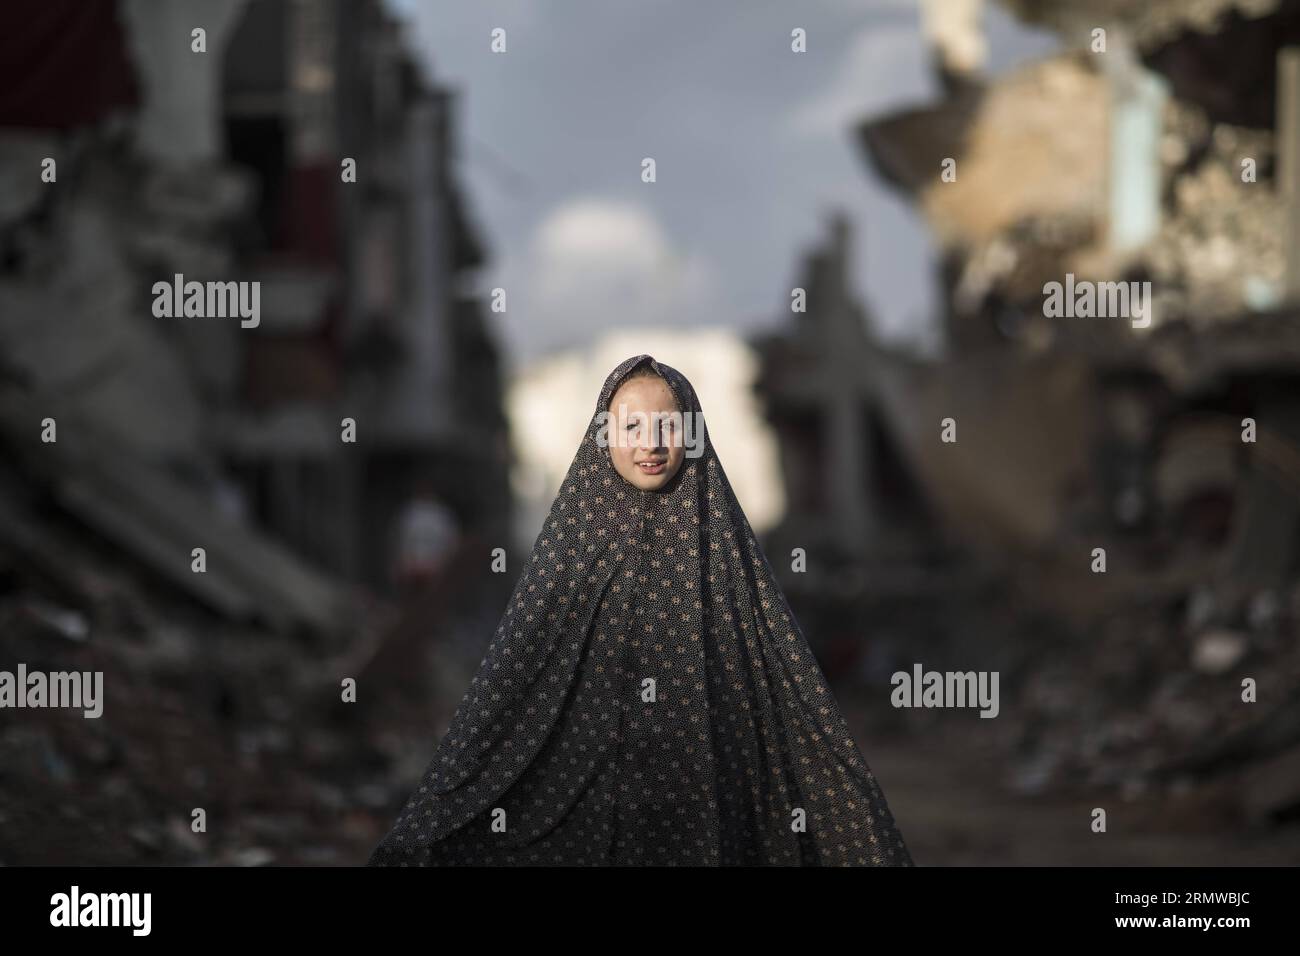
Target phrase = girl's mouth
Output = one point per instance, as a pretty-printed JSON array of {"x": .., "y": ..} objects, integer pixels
[{"x": 651, "y": 467}]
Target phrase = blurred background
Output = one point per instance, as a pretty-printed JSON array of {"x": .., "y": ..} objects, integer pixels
[{"x": 801, "y": 256}]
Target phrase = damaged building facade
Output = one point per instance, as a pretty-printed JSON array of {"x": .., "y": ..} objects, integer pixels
[
  {"x": 852, "y": 498},
  {"x": 858, "y": 546},
  {"x": 294, "y": 147},
  {"x": 1133, "y": 475}
]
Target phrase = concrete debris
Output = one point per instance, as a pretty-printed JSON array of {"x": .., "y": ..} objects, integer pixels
[
  {"x": 1121, "y": 499},
  {"x": 285, "y": 450}
]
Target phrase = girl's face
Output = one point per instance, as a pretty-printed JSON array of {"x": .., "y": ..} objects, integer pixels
[{"x": 646, "y": 443}]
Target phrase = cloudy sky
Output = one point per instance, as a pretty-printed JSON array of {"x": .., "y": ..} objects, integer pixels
[{"x": 752, "y": 143}]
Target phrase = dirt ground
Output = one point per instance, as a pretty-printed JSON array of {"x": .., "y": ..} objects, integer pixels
[{"x": 955, "y": 807}]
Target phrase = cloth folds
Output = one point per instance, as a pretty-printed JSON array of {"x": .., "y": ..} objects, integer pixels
[{"x": 647, "y": 698}]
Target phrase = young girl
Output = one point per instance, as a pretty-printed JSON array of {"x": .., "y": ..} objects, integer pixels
[{"x": 648, "y": 698}]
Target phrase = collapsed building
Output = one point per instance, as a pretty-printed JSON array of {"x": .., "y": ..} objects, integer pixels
[
  {"x": 351, "y": 434},
  {"x": 1159, "y": 151},
  {"x": 1090, "y": 165},
  {"x": 1132, "y": 476},
  {"x": 133, "y": 153},
  {"x": 850, "y": 492}
]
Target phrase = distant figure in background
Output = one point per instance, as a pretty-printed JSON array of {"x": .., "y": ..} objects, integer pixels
[
  {"x": 648, "y": 697},
  {"x": 427, "y": 534}
]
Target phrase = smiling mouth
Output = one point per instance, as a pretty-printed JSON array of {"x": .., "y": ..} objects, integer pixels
[{"x": 651, "y": 467}]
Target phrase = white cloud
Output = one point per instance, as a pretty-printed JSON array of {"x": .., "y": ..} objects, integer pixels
[
  {"x": 885, "y": 67},
  {"x": 594, "y": 263}
]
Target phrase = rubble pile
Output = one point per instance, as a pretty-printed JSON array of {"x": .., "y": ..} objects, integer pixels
[
  {"x": 200, "y": 714},
  {"x": 1149, "y": 699},
  {"x": 1219, "y": 248},
  {"x": 1176, "y": 670}
]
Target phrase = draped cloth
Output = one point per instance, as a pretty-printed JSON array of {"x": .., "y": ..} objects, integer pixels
[{"x": 647, "y": 698}]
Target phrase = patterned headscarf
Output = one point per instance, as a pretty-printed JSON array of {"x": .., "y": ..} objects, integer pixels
[{"x": 648, "y": 698}]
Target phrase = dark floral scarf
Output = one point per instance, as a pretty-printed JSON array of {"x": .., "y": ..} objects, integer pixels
[{"x": 647, "y": 699}]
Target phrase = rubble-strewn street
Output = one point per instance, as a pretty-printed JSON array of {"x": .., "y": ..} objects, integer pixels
[
  {"x": 247, "y": 726},
  {"x": 285, "y": 536}
]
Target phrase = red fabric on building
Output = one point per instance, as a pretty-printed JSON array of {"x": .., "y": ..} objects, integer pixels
[
  {"x": 63, "y": 63},
  {"x": 308, "y": 225}
]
